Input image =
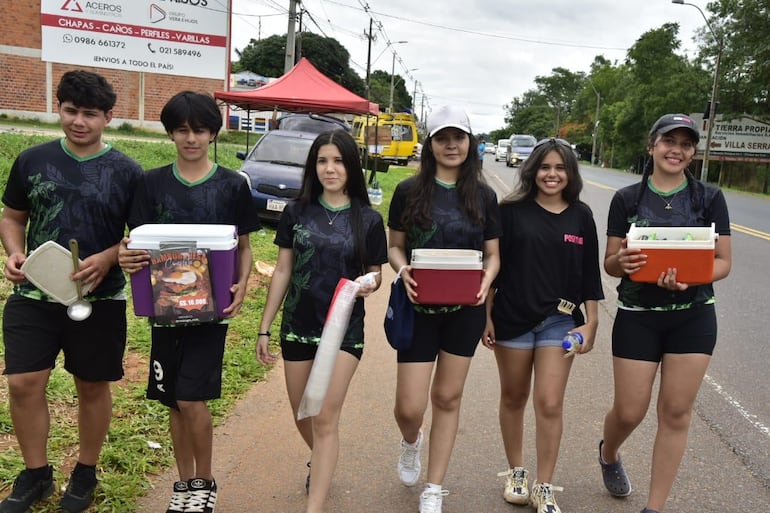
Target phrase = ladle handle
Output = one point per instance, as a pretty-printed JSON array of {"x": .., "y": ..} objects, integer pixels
[{"x": 76, "y": 264}]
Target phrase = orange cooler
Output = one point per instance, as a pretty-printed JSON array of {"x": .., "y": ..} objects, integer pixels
[
  {"x": 447, "y": 276},
  {"x": 690, "y": 249}
]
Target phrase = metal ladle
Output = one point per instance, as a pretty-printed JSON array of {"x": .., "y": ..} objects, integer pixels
[{"x": 80, "y": 310}]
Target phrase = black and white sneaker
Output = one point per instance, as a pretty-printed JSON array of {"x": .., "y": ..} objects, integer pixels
[
  {"x": 203, "y": 496},
  {"x": 179, "y": 498}
]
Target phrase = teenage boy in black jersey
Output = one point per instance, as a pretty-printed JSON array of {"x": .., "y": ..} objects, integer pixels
[
  {"x": 186, "y": 367},
  {"x": 76, "y": 187}
]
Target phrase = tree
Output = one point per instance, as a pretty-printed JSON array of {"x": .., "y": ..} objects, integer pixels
[{"x": 266, "y": 57}]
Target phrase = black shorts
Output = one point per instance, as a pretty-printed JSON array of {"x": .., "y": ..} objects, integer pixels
[
  {"x": 648, "y": 335},
  {"x": 186, "y": 363},
  {"x": 293, "y": 351},
  {"x": 457, "y": 333},
  {"x": 34, "y": 332}
]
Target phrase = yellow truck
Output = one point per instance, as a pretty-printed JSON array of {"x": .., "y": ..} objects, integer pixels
[{"x": 391, "y": 138}]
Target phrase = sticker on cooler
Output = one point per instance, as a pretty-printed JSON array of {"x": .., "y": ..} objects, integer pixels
[
  {"x": 222, "y": 242},
  {"x": 690, "y": 249},
  {"x": 447, "y": 276}
]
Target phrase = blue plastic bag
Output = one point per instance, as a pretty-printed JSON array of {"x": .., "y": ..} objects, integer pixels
[{"x": 399, "y": 318}]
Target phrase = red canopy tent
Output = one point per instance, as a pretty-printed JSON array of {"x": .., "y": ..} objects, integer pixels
[{"x": 303, "y": 88}]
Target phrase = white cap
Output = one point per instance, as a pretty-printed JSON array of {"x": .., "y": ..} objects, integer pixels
[{"x": 448, "y": 116}]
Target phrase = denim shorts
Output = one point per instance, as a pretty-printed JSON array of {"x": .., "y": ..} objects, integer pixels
[{"x": 549, "y": 333}]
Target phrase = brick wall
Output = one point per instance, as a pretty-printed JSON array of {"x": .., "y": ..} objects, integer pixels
[{"x": 24, "y": 76}]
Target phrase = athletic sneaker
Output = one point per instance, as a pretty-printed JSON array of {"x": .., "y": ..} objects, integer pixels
[
  {"x": 516, "y": 487},
  {"x": 80, "y": 490},
  {"x": 179, "y": 498},
  {"x": 542, "y": 498},
  {"x": 203, "y": 496},
  {"x": 27, "y": 490},
  {"x": 431, "y": 499},
  {"x": 409, "y": 463}
]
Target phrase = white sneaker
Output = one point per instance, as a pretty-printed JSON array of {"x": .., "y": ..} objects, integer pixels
[
  {"x": 542, "y": 498},
  {"x": 409, "y": 463},
  {"x": 516, "y": 488},
  {"x": 431, "y": 499}
]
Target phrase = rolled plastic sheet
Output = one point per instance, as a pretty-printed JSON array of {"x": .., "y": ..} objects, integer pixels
[{"x": 328, "y": 349}]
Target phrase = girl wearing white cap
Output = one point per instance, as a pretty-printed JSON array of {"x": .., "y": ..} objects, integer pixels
[
  {"x": 667, "y": 325},
  {"x": 446, "y": 205}
]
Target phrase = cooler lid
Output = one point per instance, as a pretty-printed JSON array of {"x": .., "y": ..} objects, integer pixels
[
  {"x": 48, "y": 268},
  {"x": 672, "y": 237},
  {"x": 446, "y": 259},
  {"x": 210, "y": 236}
]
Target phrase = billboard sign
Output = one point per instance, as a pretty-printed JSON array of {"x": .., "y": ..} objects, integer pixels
[
  {"x": 175, "y": 37},
  {"x": 739, "y": 137}
]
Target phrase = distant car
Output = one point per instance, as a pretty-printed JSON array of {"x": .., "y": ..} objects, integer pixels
[
  {"x": 489, "y": 148},
  {"x": 519, "y": 149},
  {"x": 273, "y": 169},
  {"x": 501, "y": 149},
  {"x": 305, "y": 122}
]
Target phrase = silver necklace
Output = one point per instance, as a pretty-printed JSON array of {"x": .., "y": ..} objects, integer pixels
[
  {"x": 331, "y": 219},
  {"x": 669, "y": 201}
]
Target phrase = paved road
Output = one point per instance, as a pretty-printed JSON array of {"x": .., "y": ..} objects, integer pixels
[{"x": 260, "y": 459}]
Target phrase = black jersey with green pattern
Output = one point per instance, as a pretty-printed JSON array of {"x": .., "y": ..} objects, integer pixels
[
  {"x": 451, "y": 227},
  {"x": 322, "y": 241},
  {"x": 652, "y": 211},
  {"x": 69, "y": 197},
  {"x": 221, "y": 197}
]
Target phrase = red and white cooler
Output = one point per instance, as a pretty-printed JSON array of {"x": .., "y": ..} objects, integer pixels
[{"x": 447, "y": 276}]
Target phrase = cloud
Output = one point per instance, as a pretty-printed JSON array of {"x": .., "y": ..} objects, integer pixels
[{"x": 479, "y": 54}]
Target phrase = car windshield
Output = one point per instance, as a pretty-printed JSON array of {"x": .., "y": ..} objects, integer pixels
[
  {"x": 523, "y": 142},
  {"x": 315, "y": 124},
  {"x": 282, "y": 150}
]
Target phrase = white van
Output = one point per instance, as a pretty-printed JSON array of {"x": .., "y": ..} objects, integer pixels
[{"x": 501, "y": 149}]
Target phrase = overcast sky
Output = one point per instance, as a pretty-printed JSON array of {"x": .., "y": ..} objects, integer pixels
[{"x": 479, "y": 54}]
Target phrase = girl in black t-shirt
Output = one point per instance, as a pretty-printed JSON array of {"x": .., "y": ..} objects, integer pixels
[
  {"x": 666, "y": 325},
  {"x": 446, "y": 205},
  {"x": 549, "y": 267},
  {"x": 330, "y": 232}
]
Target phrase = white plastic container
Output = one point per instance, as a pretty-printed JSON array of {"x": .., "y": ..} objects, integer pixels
[{"x": 49, "y": 268}]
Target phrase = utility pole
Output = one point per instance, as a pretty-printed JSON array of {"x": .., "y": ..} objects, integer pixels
[
  {"x": 299, "y": 36},
  {"x": 369, "y": 59},
  {"x": 288, "y": 62},
  {"x": 596, "y": 123}
]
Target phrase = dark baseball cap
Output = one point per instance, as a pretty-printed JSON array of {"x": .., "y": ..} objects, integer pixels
[{"x": 670, "y": 122}]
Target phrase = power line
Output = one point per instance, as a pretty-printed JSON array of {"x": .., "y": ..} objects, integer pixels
[{"x": 480, "y": 33}]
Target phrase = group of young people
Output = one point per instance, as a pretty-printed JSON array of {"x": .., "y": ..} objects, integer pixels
[{"x": 541, "y": 281}]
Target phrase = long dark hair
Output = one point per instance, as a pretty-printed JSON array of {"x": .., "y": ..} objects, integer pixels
[
  {"x": 526, "y": 189},
  {"x": 696, "y": 192},
  {"x": 355, "y": 185},
  {"x": 419, "y": 200}
]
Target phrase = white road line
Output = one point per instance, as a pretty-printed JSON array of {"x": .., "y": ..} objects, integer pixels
[{"x": 765, "y": 430}]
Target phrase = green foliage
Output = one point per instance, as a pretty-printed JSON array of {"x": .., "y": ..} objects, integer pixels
[
  {"x": 126, "y": 128},
  {"x": 267, "y": 56}
]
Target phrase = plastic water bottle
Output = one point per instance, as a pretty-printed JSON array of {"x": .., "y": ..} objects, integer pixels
[
  {"x": 571, "y": 343},
  {"x": 375, "y": 194}
]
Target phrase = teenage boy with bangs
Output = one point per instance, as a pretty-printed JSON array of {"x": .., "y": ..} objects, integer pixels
[
  {"x": 186, "y": 369},
  {"x": 77, "y": 187}
]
